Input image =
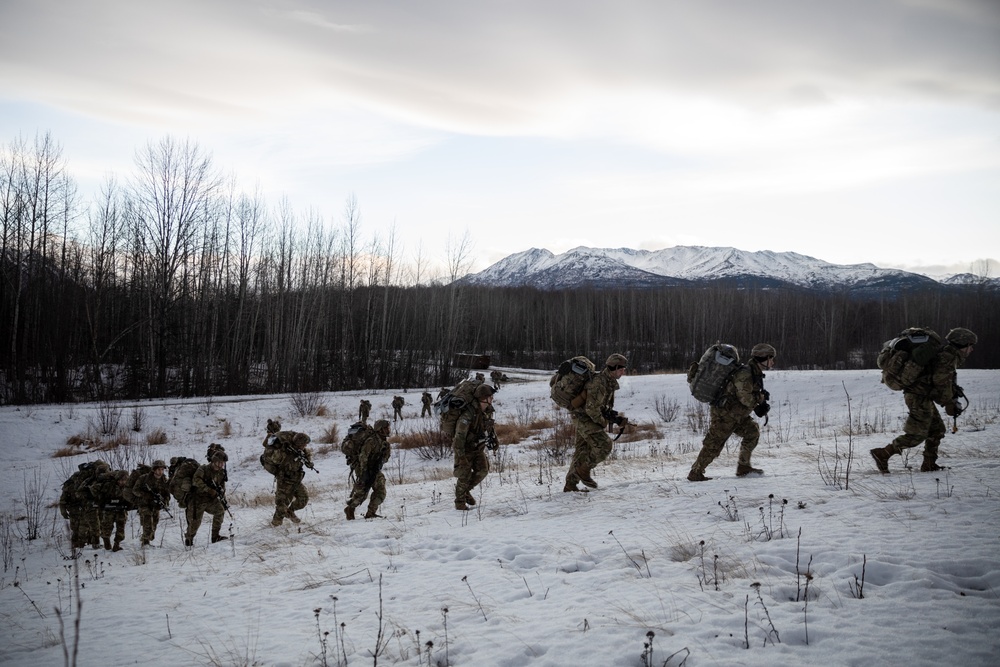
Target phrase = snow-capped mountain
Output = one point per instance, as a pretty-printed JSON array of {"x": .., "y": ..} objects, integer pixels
[{"x": 687, "y": 265}]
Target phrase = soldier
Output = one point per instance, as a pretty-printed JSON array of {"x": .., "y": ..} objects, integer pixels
[
  {"x": 936, "y": 385},
  {"x": 496, "y": 377},
  {"x": 425, "y": 401},
  {"x": 397, "y": 407},
  {"x": 290, "y": 494},
  {"x": 112, "y": 508},
  {"x": 364, "y": 410},
  {"x": 208, "y": 491},
  {"x": 441, "y": 394},
  {"x": 742, "y": 394},
  {"x": 77, "y": 505},
  {"x": 592, "y": 444},
  {"x": 152, "y": 493},
  {"x": 373, "y": 453},
  {"x": 471, "y": 462}
]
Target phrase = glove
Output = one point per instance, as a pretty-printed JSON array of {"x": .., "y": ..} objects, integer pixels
[
  {"x": 762, "y": 409},
  {"x": 953, "y": 409},
  {"x": 766, "y": 394}
]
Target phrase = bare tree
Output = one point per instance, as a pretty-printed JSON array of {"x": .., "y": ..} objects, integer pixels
[{"x": 172, "y": 194}]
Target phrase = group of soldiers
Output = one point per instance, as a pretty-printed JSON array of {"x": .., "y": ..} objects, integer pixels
[{"x": 95, "y": 499}]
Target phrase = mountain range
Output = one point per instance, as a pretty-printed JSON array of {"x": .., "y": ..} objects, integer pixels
[{"x": 698, "y": 266}]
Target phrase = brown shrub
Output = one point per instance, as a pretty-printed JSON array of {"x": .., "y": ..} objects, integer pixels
[{"x": 157, "y": 437}]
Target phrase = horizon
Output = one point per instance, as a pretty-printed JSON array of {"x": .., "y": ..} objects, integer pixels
[{"x": 852, "y": 135}]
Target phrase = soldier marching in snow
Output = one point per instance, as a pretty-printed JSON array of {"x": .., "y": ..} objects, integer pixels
[{"x": 742, "y": 395}]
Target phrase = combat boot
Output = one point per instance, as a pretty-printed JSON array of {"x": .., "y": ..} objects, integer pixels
[
  {"x": 107, "y": 543},
  {"x": 585, "y": 477},
  {"x": 469, "y": 499},
  {"x": 930, "y": 464},
  {"x": 218, "y": 538},
  {"x": 276, "y": 520},
  {"x": 372, "y": 513},
  {"x": 349, "y": 513},
  {"x": 118, "y": 546},
  {"x": 697, "y": 476},
  {"x": 188, "y": 541},
  {"x": 881, "y": 456},
  {"x": 292, "y": 517},
  {"x": 460, "y": 505},
  {"x": 744, "y": 469},
  {"x": 144, "y": 542}
]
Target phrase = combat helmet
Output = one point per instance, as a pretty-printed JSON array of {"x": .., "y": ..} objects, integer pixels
[
  {"x": 616, "y": 360},
  {"x": 961, "y": 337},
  {"x": 763, "y": 351}
]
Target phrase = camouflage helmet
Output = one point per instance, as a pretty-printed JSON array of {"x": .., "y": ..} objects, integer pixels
[
  {"x": 960, "y": 337},
  {"x": 483, "y": 391},
  {"x": 158, "y": 463},
  {"x": 763, "y": 351},
  {"x": 301, "y": 440},
  {"x": 120, "y": 475},
  {"x": 381, "y": 425},
  {"x": 273, "y": 426},
  {"x": 616, "y": 360},
  {"x": 220, "y": 456}
]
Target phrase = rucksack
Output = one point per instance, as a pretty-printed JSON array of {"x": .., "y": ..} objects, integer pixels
[
  {"x": 450, "y": 406},
  {"x": 182, "y": 470},
  {"x": 904, "y": 359},
  {"x": 272, "y": 444},
  {"x": 75, "y": 487},
  {"x": 128, "y": 492},
  {"x": 707, "y": 377},
  {"x": 566, "y": 386},
  {"x": 350, "y": 446}
]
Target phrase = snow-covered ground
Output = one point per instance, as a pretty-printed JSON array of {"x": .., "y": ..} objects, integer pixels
[{"x": 531, "y": 575}]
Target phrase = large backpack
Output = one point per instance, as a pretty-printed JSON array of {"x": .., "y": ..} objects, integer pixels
[
  {"x": 566, "y": 386},
  {"x": 75, "y": 487},
  {"x": 128, "y": 493},
  {"x": 707, "y": 377},
  {"x": 904, "y": 359},
  {"x": 350, "y": 446},
  {"x": 450, "y": 406},
  {"x": 182, "y": 470},
  {"x": 273, "y": 443}
]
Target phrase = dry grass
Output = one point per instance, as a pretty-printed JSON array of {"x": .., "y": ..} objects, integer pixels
[
  {"x": 227, "y": 428},
  {"x": 157, "y": 437},
  {"x": 331, "y": 435}
]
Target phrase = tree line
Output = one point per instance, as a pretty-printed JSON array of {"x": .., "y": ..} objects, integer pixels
[{"x": 174, "y": 282}]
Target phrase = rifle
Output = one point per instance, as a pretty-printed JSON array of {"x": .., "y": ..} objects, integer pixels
[
  {"x": 617, "y": 418},
  {"x": 492, "y": 442},
  {"x": 158, "y": 500},
  {"x": 958, "y": 393},
  {"x": 300, "y": 456},
  {"x": 221, "y": 495}
]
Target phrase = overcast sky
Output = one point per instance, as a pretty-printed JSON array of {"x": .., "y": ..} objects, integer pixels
[{"x": 852, "y": 131}]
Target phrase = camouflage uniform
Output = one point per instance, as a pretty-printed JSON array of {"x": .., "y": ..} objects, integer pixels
[
  {"x": 592, "y": 444},
  {"x": 364, "y": 409},
  {"x": 425, "y": 401},
  {"x": 444, "y": 392},
  {"x": 112, "y": 508},
  {"x": 397, "y": 407},
  {"x": 496, "y": 377},
  {"x": 923, "y": 423},
  {"x": 77, "y": 505},
  {"x": 469, "y": 444},
  {"x": 149, "y": 488},
  {"x": 203, "y": 498},
  {"x": 290, "y": 494},
  {"x": 743, "y": 392},
  {"x": 372, "y": 455}
]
